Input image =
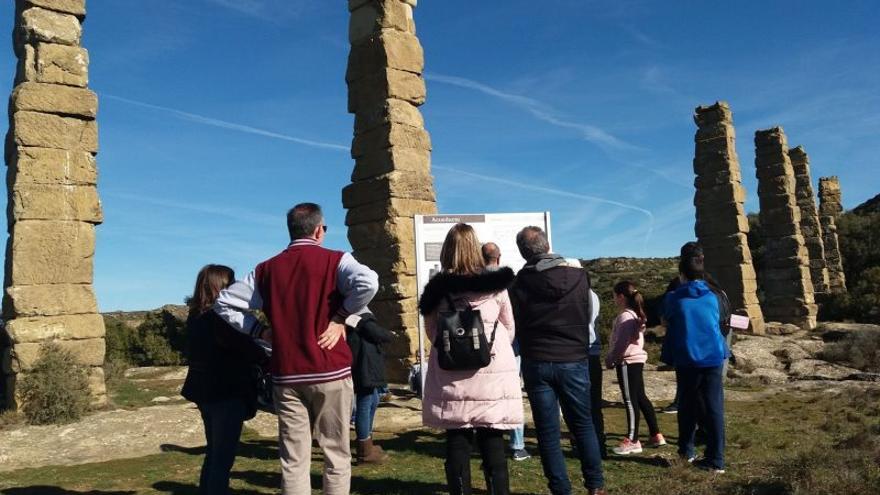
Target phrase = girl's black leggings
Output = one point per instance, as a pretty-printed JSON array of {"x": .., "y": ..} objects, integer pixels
[
  {"x": 632, "y": 388},
  {"x": 459, "y": 444}
]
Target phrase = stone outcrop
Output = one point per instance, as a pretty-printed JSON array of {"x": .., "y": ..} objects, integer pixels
[
  {"x": 811, "y": 228},
  {"x": 722, "y": 227},
  {"x": 52, "y": 196},
  {"x": 830, "y": 208},
  {"x": 391, "y": 181},
  {"x": 785, "y": 272}
]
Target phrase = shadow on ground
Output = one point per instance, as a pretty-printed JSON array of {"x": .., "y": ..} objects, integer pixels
[{"x": 54, "y": 490}]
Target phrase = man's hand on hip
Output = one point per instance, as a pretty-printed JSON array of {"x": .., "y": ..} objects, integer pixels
[{"x": 335, "y": 331}]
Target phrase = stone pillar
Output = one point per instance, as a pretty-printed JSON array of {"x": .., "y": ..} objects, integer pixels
[
  {"x": 811, "y": 228},
  {"x": 391, "y": 181},
  {"x": 53, "y": 204},
  {"x": 722, "y": 227},
  {"x": 785, "y": 274},
  {"x": 830, "y": 208}
]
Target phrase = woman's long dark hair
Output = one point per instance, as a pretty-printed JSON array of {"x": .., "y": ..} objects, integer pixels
[
  {"x": 210, "y": 281},
  {"x": 634, "y": 299}
]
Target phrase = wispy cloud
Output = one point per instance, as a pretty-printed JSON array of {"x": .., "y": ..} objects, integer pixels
[
  {"x": 264, "y": 9},
  {"x": 212, "y": 209},
  {"x": 539, "y": 110},
  {"x": 531, "y": 186},
  {"x": 224, "y": 124}
]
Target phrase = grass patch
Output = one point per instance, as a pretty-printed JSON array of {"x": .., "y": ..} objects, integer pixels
[
  {"x": 127, "y": 393},
  {"x": 785, "y": 444}
]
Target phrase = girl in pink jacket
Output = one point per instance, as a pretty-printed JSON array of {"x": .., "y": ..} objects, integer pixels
[
  {"x": 627, "y": 355},
  {"x": 472, "y": 405}
]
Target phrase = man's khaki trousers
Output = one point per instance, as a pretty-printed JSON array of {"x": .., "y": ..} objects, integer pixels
[{"x": 324, "y": 409}]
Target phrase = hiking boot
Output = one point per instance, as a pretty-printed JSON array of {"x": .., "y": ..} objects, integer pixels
[
  {"x": 657, "y": 441},
  {"x": 708, "y": 466},
  {"x": 628, "y": 447},
  {"x": 520, "y": 455},
  {"x": 368, "y": 453}
]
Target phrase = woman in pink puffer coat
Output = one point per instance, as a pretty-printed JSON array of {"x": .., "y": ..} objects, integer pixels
[{"x": 476, "y": 404}]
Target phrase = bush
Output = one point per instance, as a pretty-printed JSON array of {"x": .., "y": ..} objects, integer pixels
[
  {"x": 159, "y": 340},
  {"x": 56, "y": 391},
  {"x": 860, "y": 350},
  {"x": 861, "y": 303}
]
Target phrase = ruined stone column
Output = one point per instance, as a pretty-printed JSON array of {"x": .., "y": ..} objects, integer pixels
[
  {"x": 53, "y": 200},
  {"x": 811, "y": 228},
  {"x": 722, "y": 227},
  {"x": 785, "y": 274},
  {"x": 391, "y": 181},
  {"x": 830, "y": 208}
]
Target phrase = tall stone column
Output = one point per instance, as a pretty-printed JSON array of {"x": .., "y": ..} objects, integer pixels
[
  {"x": 811, "y": 228},
  {"x": 52, "y": 194},
  {"x": 785, "y": 274},
  {"x": 391, "y": 181},
  {"x": 830, "y": 208},
  {"x": 722, "y": 227}
]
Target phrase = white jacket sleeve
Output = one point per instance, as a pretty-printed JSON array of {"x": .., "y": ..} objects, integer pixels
[
  {"x": 357, "y": 283},
  {"x": 234, "y": 303}
]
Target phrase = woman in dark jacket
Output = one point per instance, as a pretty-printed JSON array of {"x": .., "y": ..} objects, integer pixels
[
  {"x": 365, "y": 337},
  {"x": 220, "y": 377}
]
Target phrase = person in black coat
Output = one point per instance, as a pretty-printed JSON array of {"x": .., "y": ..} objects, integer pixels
[
  {"x": 220, "y": 379},
  {"x": 365, "y": 337}
]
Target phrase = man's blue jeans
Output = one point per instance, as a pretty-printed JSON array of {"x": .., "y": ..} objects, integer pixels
[
  {"x": 365, "y": 411},
  {"x": 566, "y": 385},
  {"x": 223, "y": 421},
  {"x": 695, "y": 385}
]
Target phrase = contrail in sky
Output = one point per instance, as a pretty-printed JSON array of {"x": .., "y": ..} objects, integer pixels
[
  {"x": 223, "y": 124},
  {"x": 556, "y": 192},
  {"x": 538, "y": 110}
]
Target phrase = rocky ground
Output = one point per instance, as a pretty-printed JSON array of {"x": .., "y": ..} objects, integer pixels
[{"x": 787, "y": 361}]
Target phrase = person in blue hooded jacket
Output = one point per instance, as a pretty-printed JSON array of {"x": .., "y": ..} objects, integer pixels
[{"x": 695, "y": 346}]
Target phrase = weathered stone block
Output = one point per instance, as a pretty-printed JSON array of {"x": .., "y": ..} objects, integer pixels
[
  {"x": 87, "y": 352},
  {"x": 55, "y": 99},
  {"x": 383, "y": 161},
  {"x": 778, "y": 185},
  {"x": 50, "y": 252},
  {"x": 732, "y": 255},
  {"x": 721, "y": 226},
  {"x": 59, "y": 64},
  {"x": 39, "y": 24},
  {"x": 381, "y": 234},
  {"x": 50, "y": 300},
  {"x": 724, "y": 146},
  {"x": 75, "y": 7},
  {"x": 388, "y": 136},
  {"x": 718, "y": 178},
  {"x": 393, "y": 185},
  {"x": 66, "y": 327},
  {"x": 368, "y": 92},
  {"x": 389, "y": 208},
  {"x": 53, "y": 131},
  {"x": 724, "y": 212},
  {"x": 393, "y": 258},
  {"x": 56, "y": 202},
  {"x": 710, "y": 114},
  {"x": 396, "y": 286},
  {"x": 379, "y": 15},
  {"x": 771, "y": 137},
  {"x": 785, "y": 215},
  {"x": 781, "y": 168},
  {"x": 732, "y": 192},
  {"x": 388, "y": 112},
  {"x": 53, "y": 166},
  {"x": 714, "y": 130},
  {"x": 387, "y": 49},
  {"x": 390, "y": 307}
]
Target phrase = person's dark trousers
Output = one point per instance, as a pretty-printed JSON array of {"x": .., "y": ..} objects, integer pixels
[
  {"x": 223, "y": 421},
  {"x": 490, "y": 442},
  {"x": 695, "y": 385},
  {"x": 596, "y": 402},
  {"x": 549, "y": 386},
  {"x": 367, "y": 402},
  {"x": 632, "y": 388}
]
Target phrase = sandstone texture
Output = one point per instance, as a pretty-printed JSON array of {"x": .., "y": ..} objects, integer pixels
[
  {"x": 52, "y": 197},
  {"x": 785, "y": 275},
  {"x": 391, "y": 180},
  {"x": 722, "y": 227},
  {"x": 830, "y": 208},
  {"x": 811, "y": 228}
]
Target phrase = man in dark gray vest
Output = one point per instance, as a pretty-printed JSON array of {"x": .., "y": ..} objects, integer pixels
[{"x": 551, "y": 306}]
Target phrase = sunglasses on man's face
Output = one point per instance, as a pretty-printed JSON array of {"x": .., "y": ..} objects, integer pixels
[{"x": 324, "y": 228}]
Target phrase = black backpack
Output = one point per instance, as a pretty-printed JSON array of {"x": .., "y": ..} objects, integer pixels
[
  {"x": 461, "y": 339},
  {"x": 724, "y": 312}
]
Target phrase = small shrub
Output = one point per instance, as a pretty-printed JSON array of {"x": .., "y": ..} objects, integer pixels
[
  {"x": 56, "y": 390},
  {"x": 860, "y": 350}
]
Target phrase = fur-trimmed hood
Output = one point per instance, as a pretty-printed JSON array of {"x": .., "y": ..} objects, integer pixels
[{"x": 447, "y": 283}]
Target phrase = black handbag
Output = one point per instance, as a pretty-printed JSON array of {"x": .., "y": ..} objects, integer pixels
[{"x": 461, "y": 339}]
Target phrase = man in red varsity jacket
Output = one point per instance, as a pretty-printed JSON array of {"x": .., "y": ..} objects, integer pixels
[{"x": 306, "y": 291}]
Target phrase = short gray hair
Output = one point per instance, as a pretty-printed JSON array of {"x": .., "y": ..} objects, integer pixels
[
  {"x": 303, "y": 219},
  {"x": 531, "y": 242}
]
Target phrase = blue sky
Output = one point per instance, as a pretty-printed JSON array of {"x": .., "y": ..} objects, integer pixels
[{"x": 217, "y": 115}]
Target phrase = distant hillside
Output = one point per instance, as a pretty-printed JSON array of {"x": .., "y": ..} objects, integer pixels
[
  {"x": 870, "y": 206},
  {"x": 133, "y": 319}
]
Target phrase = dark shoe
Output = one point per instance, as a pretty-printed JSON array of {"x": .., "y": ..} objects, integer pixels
[
  {"x": 705, "y": 465},
  {"x": 670, "y": 409},
  {"x": 368, "y": 453},
  {"x": 520, "y": 455},
  {"x": 597, "y": 491}
]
